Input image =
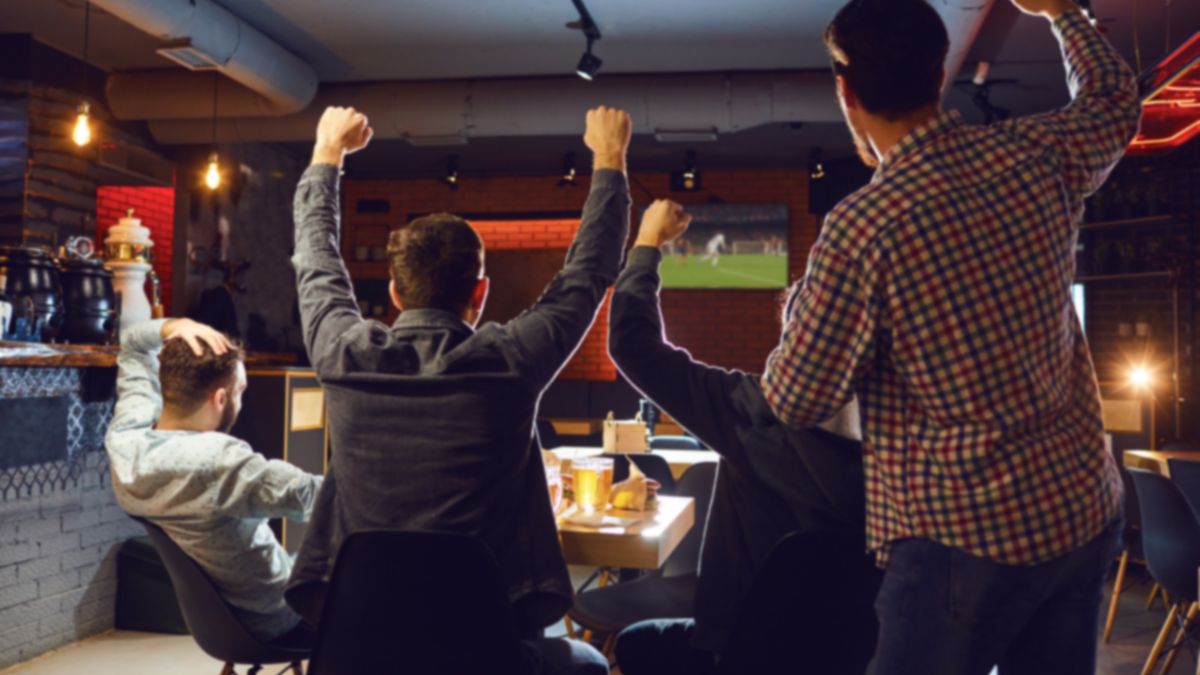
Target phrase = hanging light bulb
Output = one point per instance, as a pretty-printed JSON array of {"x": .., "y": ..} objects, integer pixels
[
  {"x": 212, "y": 177},
  {"x": 82, "y": 134}
]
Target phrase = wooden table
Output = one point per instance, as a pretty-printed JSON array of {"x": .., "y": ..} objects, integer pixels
[
  {"x": 678, "y": 460},
  {"x": 1156, "y": 460},
  {"x": 643, "y": 545}
]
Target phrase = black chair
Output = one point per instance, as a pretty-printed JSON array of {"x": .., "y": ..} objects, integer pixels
[
  {"x": 675, "y": 443},
  {"x": 668, "y": 592},
  {"x": 810, "y": 609},
  {"x": 209, "y": 618},
  {"x": 652, "y": 466},
  {"x": 1171, "y": 538},
  {"x": 416, "y": 602},
  {"x": 547, "y": 435},
  {"x": 1181, "y": 446}
]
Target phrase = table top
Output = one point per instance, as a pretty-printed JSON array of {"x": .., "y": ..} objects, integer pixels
[
  {"x": 643, "y": 545},
  {"x": 678, "y": 460},
  {"x": 1156, "y": 460}
]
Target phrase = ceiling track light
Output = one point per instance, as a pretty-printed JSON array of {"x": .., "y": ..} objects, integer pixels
[
  {"x": 687, "y": 180},
  {"x": 570, "y": 172},
  {"x": 451, "y": 177},
  {"x": 589, "y": 63},
  {"x": 816, "y": 165}
]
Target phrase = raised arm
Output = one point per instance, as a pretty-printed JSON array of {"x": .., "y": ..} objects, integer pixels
[
  {"x": 698, "y": 396},
  {"x": 1090, "y": 134},
  {"x": 544, "y": 337},
  {"x": 328, "y": 308},
  {"x": 139, "y": 396},
  {"x": 828, "y": 341}
]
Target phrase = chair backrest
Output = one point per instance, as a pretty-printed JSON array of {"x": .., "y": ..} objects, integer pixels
[
  {"x": 1170, "y": 534},
  {"x": 697, "y": 482},
  {"x": 652, "y": 466},
  {"x": 810, "y": 609},
  {"x": 547, "y": 435},
  {"x": 1181, "y": 446},
  {"x": 415, "y": 602},
  {"x": 675, "y": 443},
  {"x": 1185, "y": 474},
  {"x": 211, "y": 621}
]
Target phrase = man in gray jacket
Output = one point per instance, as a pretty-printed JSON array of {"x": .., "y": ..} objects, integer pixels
[
  {"x": 431, "y": 418},
  {"x": 174, "y": 464}
]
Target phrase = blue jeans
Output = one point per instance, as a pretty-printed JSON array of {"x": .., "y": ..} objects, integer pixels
[
  {"x": 944, "y": 611},
  {"x": 662, "y": 647}
]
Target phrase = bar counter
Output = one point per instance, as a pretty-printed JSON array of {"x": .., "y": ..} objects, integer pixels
[{"x": 24, "y": 354}]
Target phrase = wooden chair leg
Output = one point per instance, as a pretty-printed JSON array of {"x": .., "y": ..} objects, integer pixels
[
  {"x": 1116, "y": 595},
  {"x": 604, "y": 575},
  {"x": 570, "y": 626},
  {"x": 1153, "y": 594},
  {"x": 228, "y": 669},
  {"x": 1178, "y": 645},
  {"x": 609, "y": 643},
  {"x": 1156, "y": 650}
]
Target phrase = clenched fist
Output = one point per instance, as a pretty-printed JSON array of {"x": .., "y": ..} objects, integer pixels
[
  {"x": 663, "y": 221},
  {"x": 607, "y": 135},
  {"x": 340, "y": 132}
]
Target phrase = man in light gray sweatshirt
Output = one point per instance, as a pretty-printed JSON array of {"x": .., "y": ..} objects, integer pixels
[{"x": 174, "y": 464}]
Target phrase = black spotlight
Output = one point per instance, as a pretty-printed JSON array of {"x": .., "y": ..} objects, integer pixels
[
  {"x": 589, "y": 63},
  {"x": 451, "y": 177},
  {"x": 687, "y": 180},
  {"x": 569, "y": 171}
]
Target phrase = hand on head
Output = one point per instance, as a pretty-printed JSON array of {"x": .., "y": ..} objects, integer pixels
[
  {"x": 607, "y": 136},
  {"x": 195, "y": 334},
  {"x": 663, "y": 221},
  {"x": 340, "y": 132}
]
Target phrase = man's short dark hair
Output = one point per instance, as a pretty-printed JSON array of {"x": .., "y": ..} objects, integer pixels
[
  {"x": 435, "y": 262},
  {"x": 187, "y": 380},
  {"x": 891, "y": 53}
]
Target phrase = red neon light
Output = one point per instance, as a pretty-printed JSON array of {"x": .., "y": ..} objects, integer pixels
[{"x": 1171, "y": 111}]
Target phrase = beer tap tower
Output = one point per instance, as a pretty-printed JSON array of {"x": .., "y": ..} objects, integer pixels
[{"x": 127, "y": 251}]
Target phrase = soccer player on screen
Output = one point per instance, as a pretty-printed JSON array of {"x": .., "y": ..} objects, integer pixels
[{"x": 713, "y": 248}]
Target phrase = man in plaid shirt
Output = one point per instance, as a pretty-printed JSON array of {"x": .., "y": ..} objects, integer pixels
[{"x": 939, "y": 294}]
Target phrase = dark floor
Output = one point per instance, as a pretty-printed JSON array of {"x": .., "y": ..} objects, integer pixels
[{"x": 1135, "y": 630}]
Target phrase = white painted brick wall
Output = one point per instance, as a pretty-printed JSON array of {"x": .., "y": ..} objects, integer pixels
[{"x": 58, "y": 578}]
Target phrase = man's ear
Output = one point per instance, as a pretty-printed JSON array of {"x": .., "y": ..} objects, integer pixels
[
  {"x": 395, "y": 296},
  {"x": 220, "y": 397},
  {"x": 479, "y": 294},
  {"x": 845, "y": 93}
]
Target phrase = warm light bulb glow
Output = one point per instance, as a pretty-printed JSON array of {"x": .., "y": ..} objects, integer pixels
[
  {"x": 1140, "y": 377},
  {"x": 82, "y": 135},
  {"x": 212, "y": 177}
]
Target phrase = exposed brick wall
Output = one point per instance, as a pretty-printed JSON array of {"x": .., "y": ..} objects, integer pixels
[
  {"x": 731, "y": 328},
  {"x": 591, "y": 361},
  {"x": 155, "y": 206}
]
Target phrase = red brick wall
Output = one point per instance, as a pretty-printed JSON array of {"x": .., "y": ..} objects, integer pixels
[
  {"x": 731, "y": 328},
  {"x": 155, "y": 206}
]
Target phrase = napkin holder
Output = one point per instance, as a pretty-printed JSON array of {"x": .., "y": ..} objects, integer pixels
[{"x": 625, "y": 435}]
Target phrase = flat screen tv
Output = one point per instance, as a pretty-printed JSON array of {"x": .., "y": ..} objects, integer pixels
[{"x": 730, "y": 246}]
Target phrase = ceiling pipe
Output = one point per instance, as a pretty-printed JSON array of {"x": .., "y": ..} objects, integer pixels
[
  {"x": 451, "y": 112},
  {"x": 201, "y": 35}
]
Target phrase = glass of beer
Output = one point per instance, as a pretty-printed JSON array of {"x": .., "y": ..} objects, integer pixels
[
  {"x": 593, "y": 479},
  {"x": 554, "y": 483}
]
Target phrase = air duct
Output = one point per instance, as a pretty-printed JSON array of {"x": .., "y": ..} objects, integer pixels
[
  {"x": 462, "y": 109},
  {"x": 201, "y": 35}
]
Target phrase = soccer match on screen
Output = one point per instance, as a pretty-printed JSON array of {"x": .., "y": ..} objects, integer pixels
[{"x": 730, "y": 246}]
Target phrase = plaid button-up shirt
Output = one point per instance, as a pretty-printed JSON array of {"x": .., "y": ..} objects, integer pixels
[{"x": 940, "y": 294}]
